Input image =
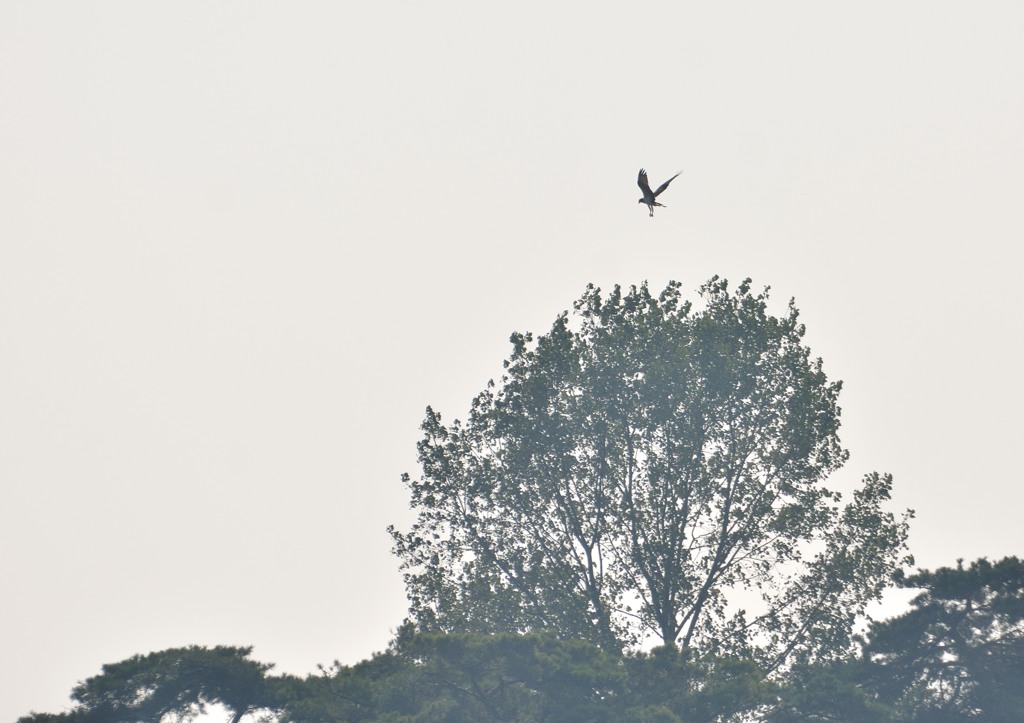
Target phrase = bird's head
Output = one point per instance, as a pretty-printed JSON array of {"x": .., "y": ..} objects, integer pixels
[{"x": 640, "y": 200}]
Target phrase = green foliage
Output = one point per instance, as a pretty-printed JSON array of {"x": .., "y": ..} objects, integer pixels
[
  {"x": 958, "y": 654},
  {"x": 177, "y": 682},
  {"x": 830, "y": 691},
  {"x": 532, "y": 677},
  {"x": 674, "y": 682},
  {"x": 633, "y": 469},
  {"x": 477, "y": 677},
  {"x": 377, "y": 689},
  {"x": 468, "y": 677}
]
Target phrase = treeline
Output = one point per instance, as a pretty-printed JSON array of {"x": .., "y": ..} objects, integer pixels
[
  {"x": 650, "y": 471},
  {"x": 957, "y": 654}
]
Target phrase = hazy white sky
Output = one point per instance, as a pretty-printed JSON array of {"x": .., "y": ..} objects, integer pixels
[{"x": 244, "y": 244}]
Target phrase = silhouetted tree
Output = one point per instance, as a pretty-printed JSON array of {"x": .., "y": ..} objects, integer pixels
[
  {"x": 178, "y": 681},
  {"x": 637, "y": 465},
  {"x": 958, "y": 654}
]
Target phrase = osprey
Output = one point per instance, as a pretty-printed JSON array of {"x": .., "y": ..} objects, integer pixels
[{"x": 641, "y": 180}]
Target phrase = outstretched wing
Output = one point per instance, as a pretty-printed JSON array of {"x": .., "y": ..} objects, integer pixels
[
  {"x": 663, "y": 186},
  {"x": 641, "y": 180}
]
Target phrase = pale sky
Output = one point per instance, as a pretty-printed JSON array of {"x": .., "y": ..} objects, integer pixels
[{"x": 244, "y": 244}]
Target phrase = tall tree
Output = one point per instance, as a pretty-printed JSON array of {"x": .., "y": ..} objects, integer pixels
[
  {"x": 637, "y": 465},
  {"x": 958, "y": 654}
]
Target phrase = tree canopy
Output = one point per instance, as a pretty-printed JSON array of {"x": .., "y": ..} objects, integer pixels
[
  {"x": 637, "y": 466},
  {"x": 958, "y": 654},
  {"x": 955, "y": 655},
  {"x": 178, "y": 682},
  {"x": 650, "y": 471}
]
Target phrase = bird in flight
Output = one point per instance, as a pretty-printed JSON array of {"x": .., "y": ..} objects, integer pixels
[{"x": 649, "y": 196}]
